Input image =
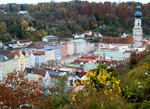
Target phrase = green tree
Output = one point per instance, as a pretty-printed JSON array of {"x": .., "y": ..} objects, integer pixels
[
  {"x": 3, "y": 27},
  {"x": 24, "y": 25}
]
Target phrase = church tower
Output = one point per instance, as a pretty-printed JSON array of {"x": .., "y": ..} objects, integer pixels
[{"x": 138, "y": 30}]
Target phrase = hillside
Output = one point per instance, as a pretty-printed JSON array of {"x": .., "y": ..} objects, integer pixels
[{"x": 64, "y": 19}]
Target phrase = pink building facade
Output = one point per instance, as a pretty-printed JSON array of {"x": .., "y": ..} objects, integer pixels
[{"x": 64, "y": 51}]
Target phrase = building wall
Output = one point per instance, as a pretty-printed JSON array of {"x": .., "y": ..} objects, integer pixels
[
  {"x": 81, "y": 48},
  {"x": 88, "y": 47},
  {"x": 52, "y": 55},
  {"x": 75, "y": 48},
  {"x": 47, "y": 55},
  {"x": 40, "y": 59},
  {"x": 57, "y": 48},
  {"x": 96, "y": 46},
  {"x": 70, "y": 51},
  {"x": 32, "y": 60},
  {"x": 64, "y": 50},
  {"x": 27, "y": 60},
  {"x": 58, "y": 53},
  {"x": 50, "y": 39},
  {"x": 16, "y": 63},
  {"x": 92, "y": 47},
  {"x": 6, "y": 67},
  {"x": 21, "y": 62}
]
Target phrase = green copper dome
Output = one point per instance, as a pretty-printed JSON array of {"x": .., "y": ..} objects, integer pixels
[
  {"x": 138, "y": 14},
  {"x": 138, "y": 8}
]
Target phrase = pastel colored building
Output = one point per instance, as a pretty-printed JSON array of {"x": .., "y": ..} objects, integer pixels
[
  {"x": 57, "y": 48},
  {"x": 64, "y": 50},
  {"x": 39, "y": 57},
  {"x": 20, "y": 60},
  {"x": 81, "y": 46},
  {"x": 6, "y": 66},
  {"x": 23, "y": 43},
  {"x": 50, "y": 39},
  {"x": 75, "y": 48},
  {"x": 96, "y": 46},
  {"x": 47, "y": 55},
  {"x": 88, "y": 47},
  {"x": 92, "y": 49},
  {"x": 32, "y": 60},
  {"x": 70, "y": 51},
  {"x": 52, "y": 55},
  {"x": 27, "y": 60}
]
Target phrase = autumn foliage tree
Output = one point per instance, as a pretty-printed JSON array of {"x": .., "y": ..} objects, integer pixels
[{"x": 17, "y": 90}]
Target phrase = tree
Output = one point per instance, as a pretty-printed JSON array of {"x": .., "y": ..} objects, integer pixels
[
  {"x": 3, "y": 27},
  {"x": 18, "y": 90},
  {"x": 24, "y": 25},
  {"x": 59, "y": 97}
]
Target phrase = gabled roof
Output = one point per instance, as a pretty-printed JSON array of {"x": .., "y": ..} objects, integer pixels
[
  {"x": 80, "y": 74},
  {"x": 37, "y": 45},
  {"x": 12, "y": 55},
  {"x": 24, "y": 41},
  {"x": 5, "y": 52},
  {"x": 35, "y": 71},
  {"x": 39, "y": 53}
]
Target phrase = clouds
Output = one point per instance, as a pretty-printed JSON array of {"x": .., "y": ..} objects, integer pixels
[{"x": 36, "y": 1}]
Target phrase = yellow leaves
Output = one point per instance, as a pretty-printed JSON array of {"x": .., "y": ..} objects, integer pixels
[
  {"x": 110, "y": 90},
  {"x": 101, "y": 78},
  {"x": 117, "y": 82},
  {"x": 74, "y": 98},
  {"x": 119, "y": 89}
]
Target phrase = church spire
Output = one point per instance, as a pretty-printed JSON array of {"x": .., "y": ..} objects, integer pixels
[{"x": 137, "y": 30}]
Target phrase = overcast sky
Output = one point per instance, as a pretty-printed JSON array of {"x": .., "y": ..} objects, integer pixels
[{"x": 36, "y": 1}]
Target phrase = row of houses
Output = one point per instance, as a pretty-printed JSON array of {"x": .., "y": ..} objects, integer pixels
[
  {"x": 88, "y": 33},
  {"x": 41, "y": 53}
]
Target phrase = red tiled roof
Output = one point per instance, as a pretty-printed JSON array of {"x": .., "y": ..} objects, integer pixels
[
  {"x": 120, "y": 40},
  {"x": 80, "y": 74},
  {"x": 24, "y": 41},
  {"x": 12, "y": 55},
  {"x": 39, "y": 52},
  {"x": 40, "y": 72},
  {"x": 92, "y": 56},
  {"x": 35, "y": 71},
  {"x": 37, "y": 45}
]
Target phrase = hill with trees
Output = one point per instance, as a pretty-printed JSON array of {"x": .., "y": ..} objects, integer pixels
[{"x": 65, "y": 18}]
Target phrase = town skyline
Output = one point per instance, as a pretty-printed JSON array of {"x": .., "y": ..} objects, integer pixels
[{"x": 39, "y": 1}]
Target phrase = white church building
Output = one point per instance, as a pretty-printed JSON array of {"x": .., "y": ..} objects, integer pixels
[{"x": 137, "y": 29}]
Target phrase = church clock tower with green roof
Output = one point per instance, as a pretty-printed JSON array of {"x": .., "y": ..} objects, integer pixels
[{"x": 138, "y": 30}]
